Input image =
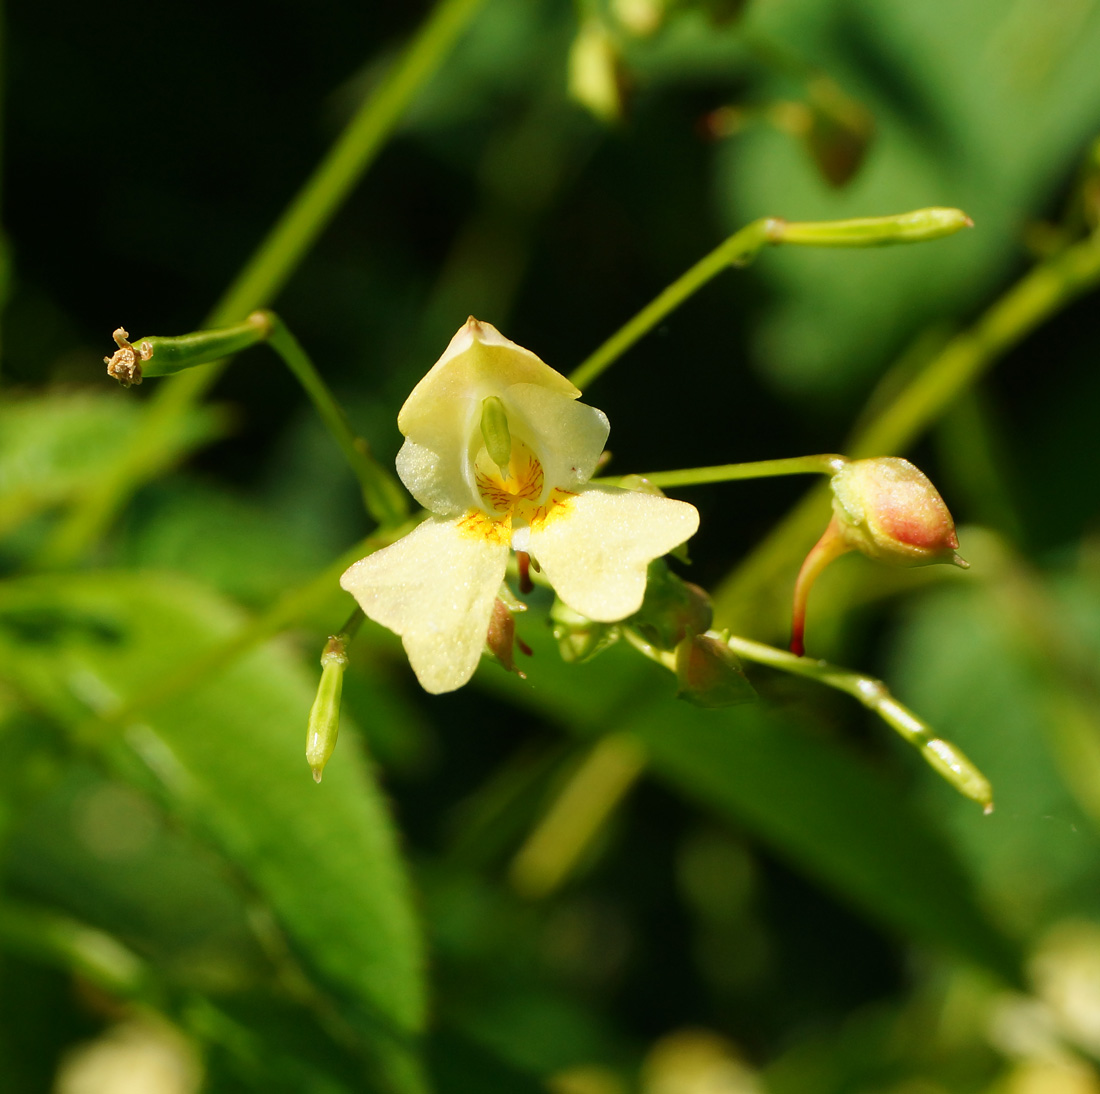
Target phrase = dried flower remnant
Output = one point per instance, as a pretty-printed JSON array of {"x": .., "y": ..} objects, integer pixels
[{"x": 124, "y": 365}]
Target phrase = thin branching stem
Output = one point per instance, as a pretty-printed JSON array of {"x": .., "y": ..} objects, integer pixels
[
  {"x": 1043, "y": 292},
  {"x": 943, "y": 756},
  {"x": 262, "y": 277},
  {"x": 744, "y": 245},
  {"x": 382, "y": 496},
  {"x": 757, "y": 469}
]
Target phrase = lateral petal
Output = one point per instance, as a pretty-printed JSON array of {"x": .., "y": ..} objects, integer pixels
[
  {"x": 435, "y": 588},
  {"x": 443, "y": 486},
  {"x": 594, "y": 546},
  {"x": 566, "y": 436}
]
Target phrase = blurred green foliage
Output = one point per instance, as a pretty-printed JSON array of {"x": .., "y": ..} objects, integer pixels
[{"x": 773, "y": 898}]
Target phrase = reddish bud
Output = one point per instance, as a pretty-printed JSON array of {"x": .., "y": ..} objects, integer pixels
[
  {"x": 709, "y": 673},
  {"x": 889, "y": 510}
]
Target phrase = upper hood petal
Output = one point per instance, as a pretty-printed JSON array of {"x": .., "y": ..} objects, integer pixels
[{"x": 441, "y": 418}]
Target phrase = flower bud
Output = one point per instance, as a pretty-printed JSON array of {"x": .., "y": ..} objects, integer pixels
[
  {"x": 671, "y": 609},
  {"x": 324, "y": 716},
  {"x": 640, "y": 17},
  {"x": 889, "y": 510},
  {"x": 596, "y": 77},
  {"x": 839, "y": 134},
  {"x": 501, "y": 639},
  {"x": 710, "y": 674}
]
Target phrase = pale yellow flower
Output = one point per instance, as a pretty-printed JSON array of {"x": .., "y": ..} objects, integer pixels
[{"x": 436, "y": 586}]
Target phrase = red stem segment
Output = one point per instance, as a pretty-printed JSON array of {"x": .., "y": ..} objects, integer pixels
[{"x": 830, "y": 546}]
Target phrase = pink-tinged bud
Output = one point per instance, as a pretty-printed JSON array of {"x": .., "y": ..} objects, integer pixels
[
  {"x": 710, "y": 674},
  {"x": 889, "y": 510}
]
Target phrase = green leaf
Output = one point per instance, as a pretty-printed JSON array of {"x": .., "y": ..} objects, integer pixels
[
  {"x": 228, "y": 758},
  {"x": 52, "y": 447}
]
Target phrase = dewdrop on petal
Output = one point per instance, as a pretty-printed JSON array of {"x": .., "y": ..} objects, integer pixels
[{"x": 890, "y": 511}]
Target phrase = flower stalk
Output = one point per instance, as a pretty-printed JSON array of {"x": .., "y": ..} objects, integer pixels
[
  {"x": 827, "y": 464},
  {"x": 744, "y": 245},
  {"x": 164, "y": 356},
  {"x": 945, "y": 758}
]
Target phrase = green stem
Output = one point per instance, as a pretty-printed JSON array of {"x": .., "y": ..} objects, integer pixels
[
  {"x": 757, "y": 469},
  {"x": 743, "y": 246},
  {"x": 944, "y": 757},
  {"x": 384, "y": 499},
  {"x": 740, "y": 249},
  {"x": 1040, "y": 294},
  {"x": 917, "y": 227},
  {"x": 265, "y": 274},
  {"x": 66, "y": 943},
  {"x": 940, "y": 754}
]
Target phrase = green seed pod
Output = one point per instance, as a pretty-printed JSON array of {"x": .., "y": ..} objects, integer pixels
[{"x": 155, "y": 356}]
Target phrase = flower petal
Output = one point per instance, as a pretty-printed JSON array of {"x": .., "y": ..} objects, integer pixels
[
  {"x": 594, "y": 547},
  {"x": 436, "y": 589},
  {"x": 566, "y": 436},
  {"x": 441, "y": 418},
  {"x": 441, "y": 485}
]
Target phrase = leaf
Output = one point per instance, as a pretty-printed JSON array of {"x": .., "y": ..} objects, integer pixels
[
  {"x": 228, "y": 757},
  {"x": 52, "y": 447}
]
